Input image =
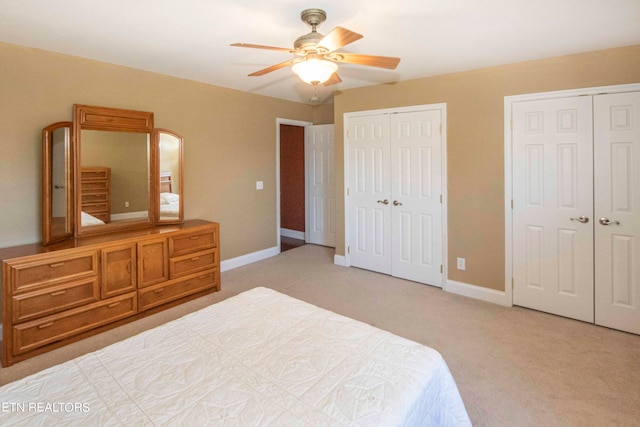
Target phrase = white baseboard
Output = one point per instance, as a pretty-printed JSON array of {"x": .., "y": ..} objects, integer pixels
[
  {"x": 477, "y": 292},
  {"x": 340, "y": 260},
  {"x": 230, "y": 264},
  {"x": 293, "y": 234}
]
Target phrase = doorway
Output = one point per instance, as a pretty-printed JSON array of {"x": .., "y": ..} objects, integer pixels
[{"x": 305, "y": 177}]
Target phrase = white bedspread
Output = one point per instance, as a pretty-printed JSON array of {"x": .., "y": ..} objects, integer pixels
[{"x": 257, "y": 359}]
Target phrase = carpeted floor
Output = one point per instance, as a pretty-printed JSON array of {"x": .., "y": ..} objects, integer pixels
[{"x": 513, "y": 366}]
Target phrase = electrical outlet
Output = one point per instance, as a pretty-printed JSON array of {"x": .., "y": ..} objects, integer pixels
[
  {"x": 259, "y": 185},
  {"x": 461, "y": 264},
  {"x": 126, "y": 204}
]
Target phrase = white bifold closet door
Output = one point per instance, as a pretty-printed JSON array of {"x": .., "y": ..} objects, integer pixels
[
  {"x": 395, "y": 187},
  {"x": 617, "y": 210},
  {"x": 576, "y": 208}
]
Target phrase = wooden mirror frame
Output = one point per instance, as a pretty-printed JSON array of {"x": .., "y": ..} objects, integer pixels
[
  {"x": 104, "y": 119},
  {"x": 87, "y": 117}
]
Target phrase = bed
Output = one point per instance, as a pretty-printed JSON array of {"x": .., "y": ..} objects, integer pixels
[
  {"x": 259, "y": 358},
  {"x": 88, "y": 220},
  {"x": 169, "y": 205}
]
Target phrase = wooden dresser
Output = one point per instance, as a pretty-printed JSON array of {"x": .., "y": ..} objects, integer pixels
[
  {"x": 95, "y": 192},
  {"x": 57, "y": 294}
]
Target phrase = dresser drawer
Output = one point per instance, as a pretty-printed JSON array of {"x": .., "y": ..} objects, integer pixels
[
  {"x": 162, "y": 293},
  {"x": 95, "y": 197},
  {"x": 193, "y": 242},
  {"x": 192, "y": 263},
  {"x": 95, "y": 186},
  {"x": 54, "y": 299},
  {"x": 31, "y": 335},
  {"x": 50, "y": 271},
  {"x": 94, "y": 174},
  {"x": 95, "y": 207}
]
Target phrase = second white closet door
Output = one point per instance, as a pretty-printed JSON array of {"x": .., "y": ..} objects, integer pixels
[
  {"x": 416, "y": 186},
  {"x": 395, "y": 189}
]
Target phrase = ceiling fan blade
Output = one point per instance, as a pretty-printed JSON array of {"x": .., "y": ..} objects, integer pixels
[
  {"x": 333, "y": 80},
  {"x": 370, "y": 60},
  {"x": 258, "y": 46},
  {"x": 337, "y": 38},
  {"x": 273, "y": 68}
]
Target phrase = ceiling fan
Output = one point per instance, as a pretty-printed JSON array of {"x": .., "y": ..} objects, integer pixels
[{"x": 315, "y": 55}]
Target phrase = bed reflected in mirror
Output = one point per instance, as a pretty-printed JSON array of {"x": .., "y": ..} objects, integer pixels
[{"x": 170, "y": 176}]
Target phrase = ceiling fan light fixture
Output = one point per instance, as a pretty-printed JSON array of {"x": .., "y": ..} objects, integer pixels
[{"x": 314, "y": 71}]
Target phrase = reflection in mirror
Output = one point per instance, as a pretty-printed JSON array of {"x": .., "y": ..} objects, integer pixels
[
  {"x": 170, "y": 176},
  {"x": 114, "y": 177},
  {"x": 56, "y": 183}
]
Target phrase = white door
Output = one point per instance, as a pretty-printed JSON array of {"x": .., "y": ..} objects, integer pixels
[
  {"x": 395, "y": 188},
  {"x": 416, "y": 188},
  {"x": 553, "y": 206},
  {"x": 617, "y": 208},
  {"x": 321, "y": 185},
  {"x": 369, "y": 193}
]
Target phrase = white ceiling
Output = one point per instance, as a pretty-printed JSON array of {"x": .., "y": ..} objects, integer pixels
[{"x": 191, "y": 38}]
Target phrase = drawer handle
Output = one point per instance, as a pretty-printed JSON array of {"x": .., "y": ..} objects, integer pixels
[
  {"x": 194, "y": 237},
  {"x": 58, "y": 293},
  {"x": 158, "y": 291},
  {"x": 195, "y": 258},
  {"x": 114, "y": 304},
  {"x": 59, "y": 264},
  {"x": 46, "y": 325}
]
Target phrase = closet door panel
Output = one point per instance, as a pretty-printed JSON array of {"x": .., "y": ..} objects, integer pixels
[
  {"x": 553, "y": 206},
  {"x": 369, "y": 206},
  {"x": 416, "y": 187},
  {"x": 617, "y": 208}
]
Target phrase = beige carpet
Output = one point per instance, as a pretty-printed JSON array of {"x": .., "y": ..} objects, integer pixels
[{"x": 513, "y": 366}]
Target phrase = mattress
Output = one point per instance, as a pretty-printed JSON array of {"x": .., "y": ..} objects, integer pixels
[{"x": 260, "y": 358}]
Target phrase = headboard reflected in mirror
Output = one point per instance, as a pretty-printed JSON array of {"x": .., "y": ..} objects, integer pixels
[{"x": 110, "y": 173}]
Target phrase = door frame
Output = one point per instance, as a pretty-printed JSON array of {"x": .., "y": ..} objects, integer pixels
[
  {"x": 508, "y": 162},
  {"x": 442, "y": 107},
  {"x": 283, "y": 121}
]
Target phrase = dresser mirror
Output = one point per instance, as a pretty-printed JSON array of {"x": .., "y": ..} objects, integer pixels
[
  {"x": 169, "y": 208},
  {"x": 103, "y": 173},
  {"x": 57, "y": 183}
]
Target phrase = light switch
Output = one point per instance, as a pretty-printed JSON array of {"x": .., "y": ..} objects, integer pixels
[{"x": 259, "y": 185}]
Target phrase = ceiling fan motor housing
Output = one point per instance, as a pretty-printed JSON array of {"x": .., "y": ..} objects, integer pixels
[{"x": 312, "y": 17}]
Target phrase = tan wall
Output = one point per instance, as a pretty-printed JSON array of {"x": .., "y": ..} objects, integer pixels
[
  {"x": 230, "y": 140},
  {"x": 475, "y": 142},
  {"x": 323, "y": 114}
]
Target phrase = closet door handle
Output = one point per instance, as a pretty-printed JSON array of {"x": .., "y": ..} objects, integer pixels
[
  {"x": 583, "y": 219},
  {"x": 607, "y": 221},
  {"x": 384, "y": 202},
  {"x": 396, "y": 203}
]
